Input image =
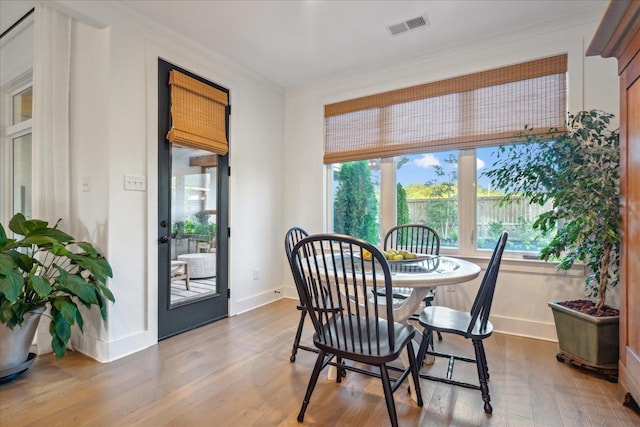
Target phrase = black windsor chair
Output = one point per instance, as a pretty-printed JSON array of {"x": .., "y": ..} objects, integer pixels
[
  {"x": 335, "y": 277},
  {"x": 473, "y": 325},
  {"x": 418, "y": 239},
  {"x": 293, "y": 236}
]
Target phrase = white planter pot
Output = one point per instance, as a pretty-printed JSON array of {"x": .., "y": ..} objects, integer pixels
[{"x": 15, "y": 344}]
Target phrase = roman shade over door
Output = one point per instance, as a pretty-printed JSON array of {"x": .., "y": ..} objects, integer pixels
[{"x": 198, "y": 114}]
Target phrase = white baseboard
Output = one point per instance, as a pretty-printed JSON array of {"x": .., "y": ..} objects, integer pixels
[
  {"x": 105, "y": 352},
  {"x": 289, "y": 292},
  {"x": 524, "y": 328},
  {"x": 254, "y": 301}
]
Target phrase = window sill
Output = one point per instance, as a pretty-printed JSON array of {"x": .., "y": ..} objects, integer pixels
[{"x": 530, "y": 266}]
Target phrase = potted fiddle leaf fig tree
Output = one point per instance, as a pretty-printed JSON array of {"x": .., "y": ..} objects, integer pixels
[
  {"x": 46, "y": 267},
  {"x": 578, "y": 171}
]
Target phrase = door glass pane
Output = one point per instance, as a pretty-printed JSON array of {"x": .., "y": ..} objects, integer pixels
[
  {"x": 22, "y": 106},
  {"x": 427, "y": 186},
  {"x": 22, "y": 175},
  {"x": 193, "y": 224}
]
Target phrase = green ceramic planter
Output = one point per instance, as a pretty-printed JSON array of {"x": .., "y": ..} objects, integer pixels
[{"x": 593, "y": 340}]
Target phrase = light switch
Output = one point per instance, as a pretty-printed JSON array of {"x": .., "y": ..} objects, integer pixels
[
  {"x": 135, "y": 183},
  {"x": 86, "y": 183}
]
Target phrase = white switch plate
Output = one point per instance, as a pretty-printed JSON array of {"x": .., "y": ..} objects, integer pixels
[
  {"x": 135, "y": 183},
  {"x": 86, "y": 183}
]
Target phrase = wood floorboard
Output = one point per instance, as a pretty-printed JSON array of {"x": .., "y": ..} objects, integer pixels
[
  {"x": 545, "y": 409},
  {"x": 236, "y": 372}
]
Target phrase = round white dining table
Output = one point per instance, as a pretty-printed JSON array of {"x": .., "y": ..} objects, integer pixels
[{"x": 421, "y": 277}]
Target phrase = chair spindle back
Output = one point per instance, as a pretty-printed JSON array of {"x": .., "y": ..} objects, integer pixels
[
  {"x": 338, "y": 280},
  {"x": 484, "y": 298},
  {"x": 414, "y": 238}
]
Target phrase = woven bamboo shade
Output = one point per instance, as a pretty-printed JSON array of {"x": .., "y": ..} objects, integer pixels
[
  {"x": 198, "y": 114},
  {"x": 475, "y": 110}
]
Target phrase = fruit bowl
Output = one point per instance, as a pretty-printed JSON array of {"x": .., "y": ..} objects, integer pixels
[
  {"x": 418, "y": 258},
  {"x": 407, "y": 258}
]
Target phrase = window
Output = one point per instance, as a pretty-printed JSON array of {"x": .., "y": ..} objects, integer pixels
[
  {"x": 430, "y": 189},
  {"x": 432, "y": 142},
  {"x": 22, "y": 175},
  {"x": 356, "y": 199},
  {"x": 516, "y": 218},
  {"x": 18, "y": 101},
  {"x": 22, "y": 106},
  {"x": 430, "y": 185}
]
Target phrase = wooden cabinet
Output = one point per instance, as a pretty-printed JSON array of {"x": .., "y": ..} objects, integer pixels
[{"x": 619, "y": 36}]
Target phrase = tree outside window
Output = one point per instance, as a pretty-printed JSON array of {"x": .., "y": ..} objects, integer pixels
[
  {"x": 355, "y": 207},
  {"x": 402, "y": 209}
]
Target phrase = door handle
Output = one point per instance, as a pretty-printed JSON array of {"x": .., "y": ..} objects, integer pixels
[{"x": 164, "y": 239}]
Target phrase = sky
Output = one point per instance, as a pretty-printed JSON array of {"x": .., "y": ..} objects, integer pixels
[{"x": 420, "y": 167}]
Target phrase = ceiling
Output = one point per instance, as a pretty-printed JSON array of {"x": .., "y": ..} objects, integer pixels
[{"x": 295, "y": 43}]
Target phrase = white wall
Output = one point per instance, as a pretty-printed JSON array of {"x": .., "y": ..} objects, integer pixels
[
  {"x": 524, "y": 287},
  {"x": 114, "y": 122},
  {"x": 16, "y": 65},
  {"x": 89, "y": 150},
  {"x": 16, "y": 55}
]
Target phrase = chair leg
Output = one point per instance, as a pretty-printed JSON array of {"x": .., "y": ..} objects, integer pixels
[
  {"x": 427, "y": 339},
  {"x": 427, "y": 303},
  {"x": 312, "y": 384},
  {"x": 296, "y": 342},
  {"x": 413, "y": 365},
  {"x": 481, "y": 365},
  {"x": 388, "y": 395},
  {"x": 484, "y": 358}
]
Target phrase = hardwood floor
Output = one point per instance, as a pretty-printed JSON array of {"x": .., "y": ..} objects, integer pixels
[{"x": 236, "y": 372}]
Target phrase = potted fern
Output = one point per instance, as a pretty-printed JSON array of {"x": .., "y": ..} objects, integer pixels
[
  {"x": 578, "y": 170},
  {"x": 46, "y": 268}
]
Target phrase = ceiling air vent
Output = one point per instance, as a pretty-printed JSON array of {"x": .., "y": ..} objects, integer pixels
[{"x": 410, "y": 24}]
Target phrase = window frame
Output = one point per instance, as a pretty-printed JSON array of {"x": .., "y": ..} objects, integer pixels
[
  {"x": 11, "y": 132},
  {"x": 467, "y": 207}
]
